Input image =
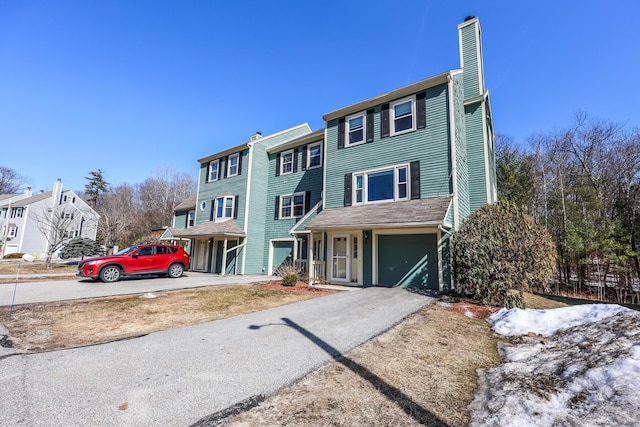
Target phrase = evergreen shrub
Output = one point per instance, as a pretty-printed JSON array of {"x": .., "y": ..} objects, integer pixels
[{"x": 498, "y": 253}]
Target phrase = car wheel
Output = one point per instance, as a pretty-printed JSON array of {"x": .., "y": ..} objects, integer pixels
[
  {"x": 175, "y": 270},
  {"x": 110, "y": 273}
]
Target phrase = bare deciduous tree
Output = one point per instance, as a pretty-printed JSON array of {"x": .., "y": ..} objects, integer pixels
[{"x": 11, "y": 181}]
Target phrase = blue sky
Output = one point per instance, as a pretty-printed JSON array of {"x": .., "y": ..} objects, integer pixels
[{"x": 131, "y": 86}]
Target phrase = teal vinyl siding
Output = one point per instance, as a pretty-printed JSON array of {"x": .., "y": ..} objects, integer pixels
[
  {"x": 297, "y": 182},
  {"x": 208, "y": 191},
  {"x": 254, "y": 263},
  {"x": 475, "y": 157},
  {"x": 430, "y": 146},
  {"x": 462, "y": 170},
  {"x": 470, "y": 61},
  {"x": 180, "y": 219}
]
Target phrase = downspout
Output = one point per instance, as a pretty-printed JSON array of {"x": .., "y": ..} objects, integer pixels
[
  {"x": 246, "y": 205},
  {"x": 454, "y": 168}
]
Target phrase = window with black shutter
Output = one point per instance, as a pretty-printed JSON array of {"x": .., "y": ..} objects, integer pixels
[{"x": 347, "y": 189}]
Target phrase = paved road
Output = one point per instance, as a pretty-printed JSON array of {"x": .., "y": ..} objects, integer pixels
[
  {"x": 77, "y": 288},
  {"x": 182, "y": 376}
]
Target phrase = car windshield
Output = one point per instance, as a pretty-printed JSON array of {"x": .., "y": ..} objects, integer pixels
[{"x": 126, "y": 250}]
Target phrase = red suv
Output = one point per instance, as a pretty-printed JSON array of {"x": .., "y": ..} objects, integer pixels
[{"x": 167, "y": 260}]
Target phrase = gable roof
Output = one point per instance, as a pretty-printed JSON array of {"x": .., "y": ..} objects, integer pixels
[
  {"x": 186, "y": 204},
  {"x": 316, "y": 135},
  {"x": 410, "y": 213},
  {"x": 33, "y": 199},
  {"x": 209, "y": 229}
]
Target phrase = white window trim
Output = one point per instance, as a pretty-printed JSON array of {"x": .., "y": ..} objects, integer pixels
[
  {"x": 233, "y": 156},
  {"x": 347, "y": 129},
  {"x": 308, "y": 160},
  {"x": 282, "y": 162},
  {"x": 392, "y": 113},
  {"x": 365, "y": 184},
  {"x": 189, "y": 213},
  {"x": 217, "y": 177},
  {"x": 304, "y": 202},
  {"x": 217, "y": 218}
]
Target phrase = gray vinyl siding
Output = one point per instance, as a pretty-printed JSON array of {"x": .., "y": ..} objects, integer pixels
[
  {"x": 296, "y": 182},
  {"x": 462, "y": 171},
  {"x": 475, "y": 157},
  {"x": 208, "y": 191},
  {"x": 470, "y": 61},
  {"x": 430, "y": 146}
]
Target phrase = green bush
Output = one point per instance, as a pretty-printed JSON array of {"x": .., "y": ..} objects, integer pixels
[
  {"x": 499, "y": 252},
  {"x": 290, "y": 279},
  {"x": 80, "y": 247}
]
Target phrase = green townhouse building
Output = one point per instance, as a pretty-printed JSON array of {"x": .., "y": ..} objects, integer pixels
[{"x": 370, "y": 200}]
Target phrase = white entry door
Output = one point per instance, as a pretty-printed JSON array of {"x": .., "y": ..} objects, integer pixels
[
  {"x": 340, "y": 262},
  {"x": 201, "y": 254}
]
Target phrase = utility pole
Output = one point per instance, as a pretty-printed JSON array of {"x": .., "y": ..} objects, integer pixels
[{"x": 5, "y": 233}]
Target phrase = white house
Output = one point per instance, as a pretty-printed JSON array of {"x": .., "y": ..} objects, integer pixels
[{"x": 30, "y": 223}]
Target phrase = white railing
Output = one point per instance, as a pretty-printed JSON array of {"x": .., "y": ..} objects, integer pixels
[
  {"x": 317, "y": 275},
  {"x": 301, "y": 264}
]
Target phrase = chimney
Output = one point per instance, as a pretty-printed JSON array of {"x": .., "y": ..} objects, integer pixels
[
  {"x": 255, "y": 136},
  {"x": 27, "y": 192},
  {"x": 56, "y": 194},
  {"x": 470, "y": 38}
]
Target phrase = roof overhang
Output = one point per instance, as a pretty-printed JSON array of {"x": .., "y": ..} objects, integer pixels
[{"x": 390, "y": 96}]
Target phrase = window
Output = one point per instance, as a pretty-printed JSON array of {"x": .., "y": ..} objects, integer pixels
[
  {"x": 214, "y": 170},
  {"x": 70, "y": 234},
  {"x": 16, "y": 213},
  {"x": 233, "y": 165},
  {"x": 203, "y": 206},
  {"x": 381, "y": 185},
  {"x": 224, "y": 207},
  {"x": 67, "y": 215},
  {"x": 292, "y": 206},
  {"x": 355, "y": 129},
  {"x": 402, "y": 116},
  {"x": 314, "y": 152},
  {"x": 286, "y": 162},
  {"x": 191, "y": 218},
  {"x": 13, "y": 232}
]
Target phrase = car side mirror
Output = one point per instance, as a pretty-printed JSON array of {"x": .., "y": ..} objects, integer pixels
[{"x": 134, "y": 255}]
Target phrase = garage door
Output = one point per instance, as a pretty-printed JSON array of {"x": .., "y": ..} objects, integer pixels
[
  {"x": 282, "y": 251},
  {"x": 408, "y": 260}
]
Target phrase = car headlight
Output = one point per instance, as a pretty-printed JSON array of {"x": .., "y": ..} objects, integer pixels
[{"x": 91, "y": 263}]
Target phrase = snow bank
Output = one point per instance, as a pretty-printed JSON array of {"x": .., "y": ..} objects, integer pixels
[
  {"x": 584, "y": 372},
  {"x": 547, "y": 322}
]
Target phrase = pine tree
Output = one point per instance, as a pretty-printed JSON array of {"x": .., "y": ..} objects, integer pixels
[{"x": 95, "y": 187}]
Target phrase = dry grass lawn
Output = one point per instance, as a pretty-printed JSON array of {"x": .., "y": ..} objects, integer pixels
[
  {"x": 422, "y": 372},
  {"x": 10, "y": 267},
  {"x": 65, "y": 324}
]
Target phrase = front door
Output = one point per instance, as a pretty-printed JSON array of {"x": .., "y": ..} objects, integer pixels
[
  {"x": 340, "y": 259},
  {"x": 201, "y": 255}
]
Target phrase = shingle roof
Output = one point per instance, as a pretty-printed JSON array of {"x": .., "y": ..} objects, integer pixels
[
  {"x": 208, "y": 229},
  {"x": 428, "y": 211},
  {"x": 186, "y": 204},
  {"x": 29, "y": 200}
]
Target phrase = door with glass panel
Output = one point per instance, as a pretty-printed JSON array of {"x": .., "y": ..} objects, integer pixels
[{"x": 340, "y": 263}]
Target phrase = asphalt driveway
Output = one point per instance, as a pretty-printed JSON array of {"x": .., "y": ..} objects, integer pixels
[
  {"x": 78, "y": 288},
  {"x": 181, "y": 377}
]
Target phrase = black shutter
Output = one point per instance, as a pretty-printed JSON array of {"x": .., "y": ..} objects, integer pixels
[
  {"x": 213, "y": 210},
  {"x": 348, "y": 180},
  {"x": 421, "y": 110},
  {"x": 307, "y": 201},
  {"x": 278, "y": 165},
  {"x": 369, "y": 125},
  {"x": 186, "y": 222},
  {"x": 341, "y": 133},
  {"x": 277, "y": 214},
  {"x": 223, "y": 165},
  {"x": 239, "y": 163},
  {"x": 384, "y": 128},
  {"x": 295, "y": 159},
  {"x": 235, "y": 207},
  {"x": 414, "y": 170},
  {"x": 304, "y": 158}
]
